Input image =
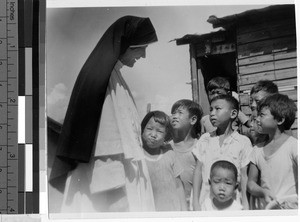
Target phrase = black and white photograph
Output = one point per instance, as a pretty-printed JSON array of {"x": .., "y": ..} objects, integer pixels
[{"x": 154, "y": 109}]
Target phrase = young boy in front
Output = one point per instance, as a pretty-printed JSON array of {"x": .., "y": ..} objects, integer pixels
[
  {"x": 277, "y": 159},
  {"x": 223, "y": 143},
  {"x": 185, "y": 122},
  {"x": 223, "y": 184}
]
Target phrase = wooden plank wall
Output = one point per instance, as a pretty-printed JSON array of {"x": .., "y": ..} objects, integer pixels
[{"x": 267, "y": 51}]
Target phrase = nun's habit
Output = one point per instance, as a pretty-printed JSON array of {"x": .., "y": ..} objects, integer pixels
[{"x": 99, "y": 163}]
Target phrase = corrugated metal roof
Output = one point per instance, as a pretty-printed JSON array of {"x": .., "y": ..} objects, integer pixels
[
  {"x": 192, "y": 39},
  {"x": 254, "y": 16},
  {"x": 245, "y": 18}
]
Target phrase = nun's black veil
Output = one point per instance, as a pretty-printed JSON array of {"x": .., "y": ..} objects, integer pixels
[{"x": 77, "y": 138}]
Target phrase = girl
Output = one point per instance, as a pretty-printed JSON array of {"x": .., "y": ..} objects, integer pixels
[{"x": 164, "y": 169}]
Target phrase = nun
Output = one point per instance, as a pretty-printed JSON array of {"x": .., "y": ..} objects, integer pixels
[{"x": 99, "y": 164}]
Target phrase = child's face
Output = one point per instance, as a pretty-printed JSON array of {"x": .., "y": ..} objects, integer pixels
[
  {"x": 215, "y": 92},
  {"x": 154, "y": 134},
  {"x": 253, "y": 128},
  {"x": 256, "y": 98},
  {"x": 220, "y": 113},
  {"x": 181, "y": 119},
  {"x": 223, "y": 184},
  {"x": 266, "y": 122}
]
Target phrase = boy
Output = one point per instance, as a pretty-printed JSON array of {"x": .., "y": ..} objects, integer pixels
[
  {"x": 277, "y": 159},
  {"x": 220, "y": 86},
  {"x": 259, "y": 91},
  {"x": 222, "y": 143},
  {"x": 185, "y": 121},
  {"x": 223, "y": 183}
]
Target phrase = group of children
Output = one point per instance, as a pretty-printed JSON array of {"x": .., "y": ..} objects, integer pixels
[{"x": 204, "y": 163}]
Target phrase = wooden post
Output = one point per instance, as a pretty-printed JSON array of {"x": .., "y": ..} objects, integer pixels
[
  {"x": 194, "y": 74},
  {"x": 198, "y": 86}
]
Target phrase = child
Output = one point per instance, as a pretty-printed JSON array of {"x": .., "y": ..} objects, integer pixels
[
  {"x": 220, "y": 86},
  {"x": 259, "y": 91},
  {"x": 277, "y": 160},
  {"x": 223, "y": 183},
  {"x": 164, "y": 169},
  {"x": 185, "y": 121},
  {"x": 222, "y": 143}
]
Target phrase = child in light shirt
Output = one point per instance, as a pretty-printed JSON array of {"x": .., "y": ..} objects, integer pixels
[
  {"x": 223, "y": 183},
  {"x": 259, "y": 91},
  {"x": 277, "y": 160},
  {"x": 164, "y": 169},
  {"x": 223, "y": 143},
  {"x": 185, "y": 121}
]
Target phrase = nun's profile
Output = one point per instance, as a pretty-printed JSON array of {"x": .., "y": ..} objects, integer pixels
[{"x": 99, "y": 164}]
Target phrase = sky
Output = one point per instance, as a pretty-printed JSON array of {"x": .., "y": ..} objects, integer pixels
[{"x": 162, "y": 78}]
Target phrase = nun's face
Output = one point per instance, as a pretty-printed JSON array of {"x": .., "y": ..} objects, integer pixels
[{"x": 132, "y": 54}]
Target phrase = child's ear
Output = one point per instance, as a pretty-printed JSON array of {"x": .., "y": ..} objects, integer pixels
[
  {"x": 234, "y": 113},
  {"x": 236, "y": 185},
  {"x": 194, "y": 119},
  {"x": 280, "y": 122}
]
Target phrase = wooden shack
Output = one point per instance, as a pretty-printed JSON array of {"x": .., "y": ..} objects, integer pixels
[{"x": 248, "y": 47}]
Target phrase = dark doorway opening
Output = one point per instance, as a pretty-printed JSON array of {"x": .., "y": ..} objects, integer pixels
[{"x": 223, "y": 65}]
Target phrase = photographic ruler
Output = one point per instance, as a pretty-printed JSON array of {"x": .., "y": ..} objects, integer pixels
[
  {"x": 9, "y": 55},
  {"x": 19, "y": 146}
]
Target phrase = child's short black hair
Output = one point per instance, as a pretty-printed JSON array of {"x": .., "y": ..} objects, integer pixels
[
  {"x": 194, "y": 110},
  {"x": 228, "y": 98},
  {"x": 264, "y": 85},
  {"x": 161, "y": 118},
  {"x": 217, "y": 83},
  {"x": 280, "y": 106},
  {"x": 224, "y": 164}
]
